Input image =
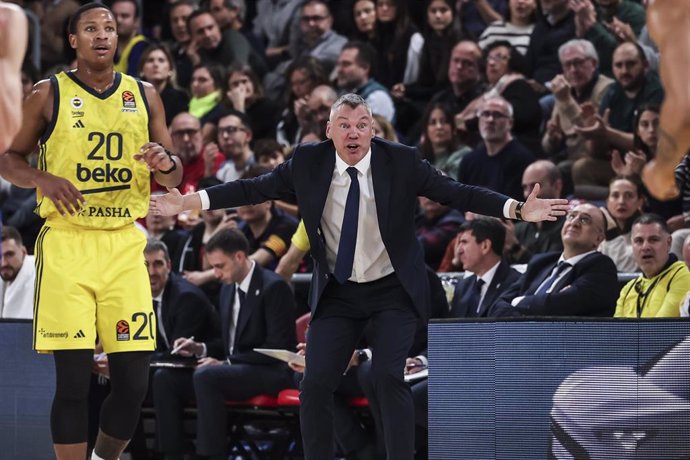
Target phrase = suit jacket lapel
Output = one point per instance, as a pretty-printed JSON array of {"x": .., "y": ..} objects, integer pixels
[
  {"x": 322, "y": 174},
  {"x": 226, "y": 313},
  {"x": 381, "y": 174},
  {"x": 492, "y": 290}
]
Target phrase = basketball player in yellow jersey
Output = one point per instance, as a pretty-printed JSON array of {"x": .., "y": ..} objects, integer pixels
[
  {"x": 101, "y": 135},
  {"x": 669, "y": 26},
  {"x": 13, "y": 38}
]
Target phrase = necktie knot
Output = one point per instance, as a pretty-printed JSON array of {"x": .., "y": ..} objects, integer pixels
[{"x": 352, "y": 171}]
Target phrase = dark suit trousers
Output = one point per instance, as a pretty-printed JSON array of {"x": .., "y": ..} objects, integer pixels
[{"x": 342, "y": 313}]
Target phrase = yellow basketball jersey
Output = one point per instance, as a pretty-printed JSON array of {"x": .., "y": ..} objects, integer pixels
[{"x": 91, "y": 141}]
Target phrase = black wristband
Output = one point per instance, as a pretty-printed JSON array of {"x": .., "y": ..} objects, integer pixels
[
  {"x": 518, "y": 210},
  {"x": 173, "y": 167}
]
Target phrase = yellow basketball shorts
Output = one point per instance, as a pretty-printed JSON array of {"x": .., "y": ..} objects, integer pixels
[{"x": 92, "y": 282}]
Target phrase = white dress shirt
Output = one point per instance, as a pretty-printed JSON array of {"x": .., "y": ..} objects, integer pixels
[{"x": 371, "y": 258}]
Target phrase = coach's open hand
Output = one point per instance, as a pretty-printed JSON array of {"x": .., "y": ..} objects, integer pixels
[{"x": 537, "y": 209}]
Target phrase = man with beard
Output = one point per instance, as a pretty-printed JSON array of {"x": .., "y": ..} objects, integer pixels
[
  {"x": 497, "y": 163},
  {"x": 18, "y": 274}
]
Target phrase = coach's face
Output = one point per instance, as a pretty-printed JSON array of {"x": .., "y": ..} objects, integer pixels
[{"x": 351, "y": 131}]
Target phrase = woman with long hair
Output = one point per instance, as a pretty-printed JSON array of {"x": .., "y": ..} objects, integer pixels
[
  {"x": 515, "y": 29},
  {"x": 439, "y": 143},
  {"x": 157, "y": 67},
  {"x": 398, "y": 43}
]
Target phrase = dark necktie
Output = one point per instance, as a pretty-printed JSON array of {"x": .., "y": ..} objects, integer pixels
[
  {"x": 234, "y": 315},
  {"x": 546, "y": 285},
  {"x": 348, "y": 231},
  {"x": 474, "y": 297}
]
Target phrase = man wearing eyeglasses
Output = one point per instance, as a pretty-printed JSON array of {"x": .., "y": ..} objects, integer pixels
[
  {"x": 497, "y": 163},
  {"x": 580, "y": 281},
  {"x": 199, "y": 160},
  {"x": 317, "y": 38},
  {"x": 665, "y": 280},
  {"x": 234, "y": 136}
]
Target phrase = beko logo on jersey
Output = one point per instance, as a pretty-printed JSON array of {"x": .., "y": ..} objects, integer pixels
[{"x": 105, "y": 174}]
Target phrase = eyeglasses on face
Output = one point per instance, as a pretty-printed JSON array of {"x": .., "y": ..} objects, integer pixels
[
  {"x": 584, "y": 219},
  {"x": 229, "y": 129}
]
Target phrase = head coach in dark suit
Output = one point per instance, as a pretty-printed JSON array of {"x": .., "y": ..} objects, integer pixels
[{"x": 357, "y": 196}]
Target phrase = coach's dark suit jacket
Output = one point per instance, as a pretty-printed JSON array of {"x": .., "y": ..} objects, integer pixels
[
  {"x": 267, "y": 320},
  {"x": 399, "y": 176},
  {"x": 186, "y": 312},
  {"x": 588, "y": 289},
  {"x": 504, "y": 277}
]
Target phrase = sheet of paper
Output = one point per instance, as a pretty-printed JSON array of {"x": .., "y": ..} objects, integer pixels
[{"x": 283, "y": 355}]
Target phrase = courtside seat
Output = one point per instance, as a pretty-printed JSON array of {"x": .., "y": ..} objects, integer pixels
[
  {"x": 288, "y": 398},
  {"x": 359, "y": 402}
]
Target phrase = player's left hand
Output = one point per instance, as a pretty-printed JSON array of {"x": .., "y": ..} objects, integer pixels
[
  {"x": 537, "y": 209},
  {"x": 155, "y": 157}
]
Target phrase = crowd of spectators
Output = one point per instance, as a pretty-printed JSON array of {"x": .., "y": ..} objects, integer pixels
[{"x": 557, "y": 97}]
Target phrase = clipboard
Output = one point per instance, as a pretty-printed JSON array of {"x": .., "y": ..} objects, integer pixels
[{"x": 283, "y": 355}]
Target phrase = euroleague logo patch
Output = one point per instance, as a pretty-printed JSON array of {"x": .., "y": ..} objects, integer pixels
[
  {"x": 128, "y": 100},
  {"x": 122, "y": 330}
]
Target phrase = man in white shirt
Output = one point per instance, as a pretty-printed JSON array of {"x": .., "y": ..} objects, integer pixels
[{"x": 18, "y": 274}]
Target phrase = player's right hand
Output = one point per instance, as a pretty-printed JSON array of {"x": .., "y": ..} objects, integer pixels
[
  {"x": 169, "y": 204},
  {"x": 65, "y": 196}
]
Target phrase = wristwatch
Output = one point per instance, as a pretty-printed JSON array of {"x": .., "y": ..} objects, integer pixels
[{"x": 362, "y": 356}]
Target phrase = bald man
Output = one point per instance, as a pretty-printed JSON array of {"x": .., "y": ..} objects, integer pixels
[
  {"x": 669, "y": 26},
  {"x": 13, "y": 39}
]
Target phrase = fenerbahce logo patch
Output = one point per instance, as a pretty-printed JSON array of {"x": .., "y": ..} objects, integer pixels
[{"x": 122, "y": 330}]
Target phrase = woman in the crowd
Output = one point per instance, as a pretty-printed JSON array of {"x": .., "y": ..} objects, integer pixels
[
  {"x": 398, "y": 43},
  {"x": 504, "y": 74},
  {"x": 303, "y": 75},
  {"x": 157, "y": 67},
  {"x": 364, "y": 15},
  {"x": 439, "y": 144},
  {"x": 623, "y": 206},
  {"x": 517, "y": 27},
  {"x": 645, "y": 140},
  {"x": 207, "y": 94},
  {"x": 245, "y": 94},
  {"x": 441, "y": 33}
]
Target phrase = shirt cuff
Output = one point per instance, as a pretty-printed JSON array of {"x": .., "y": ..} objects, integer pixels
[
  {"x": 517, "y": 300},
  {"x": 506, "y": 207},
  {"x": 205, "y": 201}
]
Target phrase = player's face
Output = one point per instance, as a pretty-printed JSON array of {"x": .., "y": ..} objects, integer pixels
[
  {"x": 12, "y": 258},
  {"x": 96, "y": 37},
  {"x": 351, "y": 131},
  {"x": 159, "y": 270}
]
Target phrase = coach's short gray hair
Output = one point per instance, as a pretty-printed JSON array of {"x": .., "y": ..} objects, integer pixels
[{"x": 351, "y": 100}]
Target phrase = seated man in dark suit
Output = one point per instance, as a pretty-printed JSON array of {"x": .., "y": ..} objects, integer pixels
[
  {"x": 257, "y": 311},
  {"x": 577, "y": 282},
  {"x": 182, "y": 309},
  {"x": 480, "y": 248}
]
